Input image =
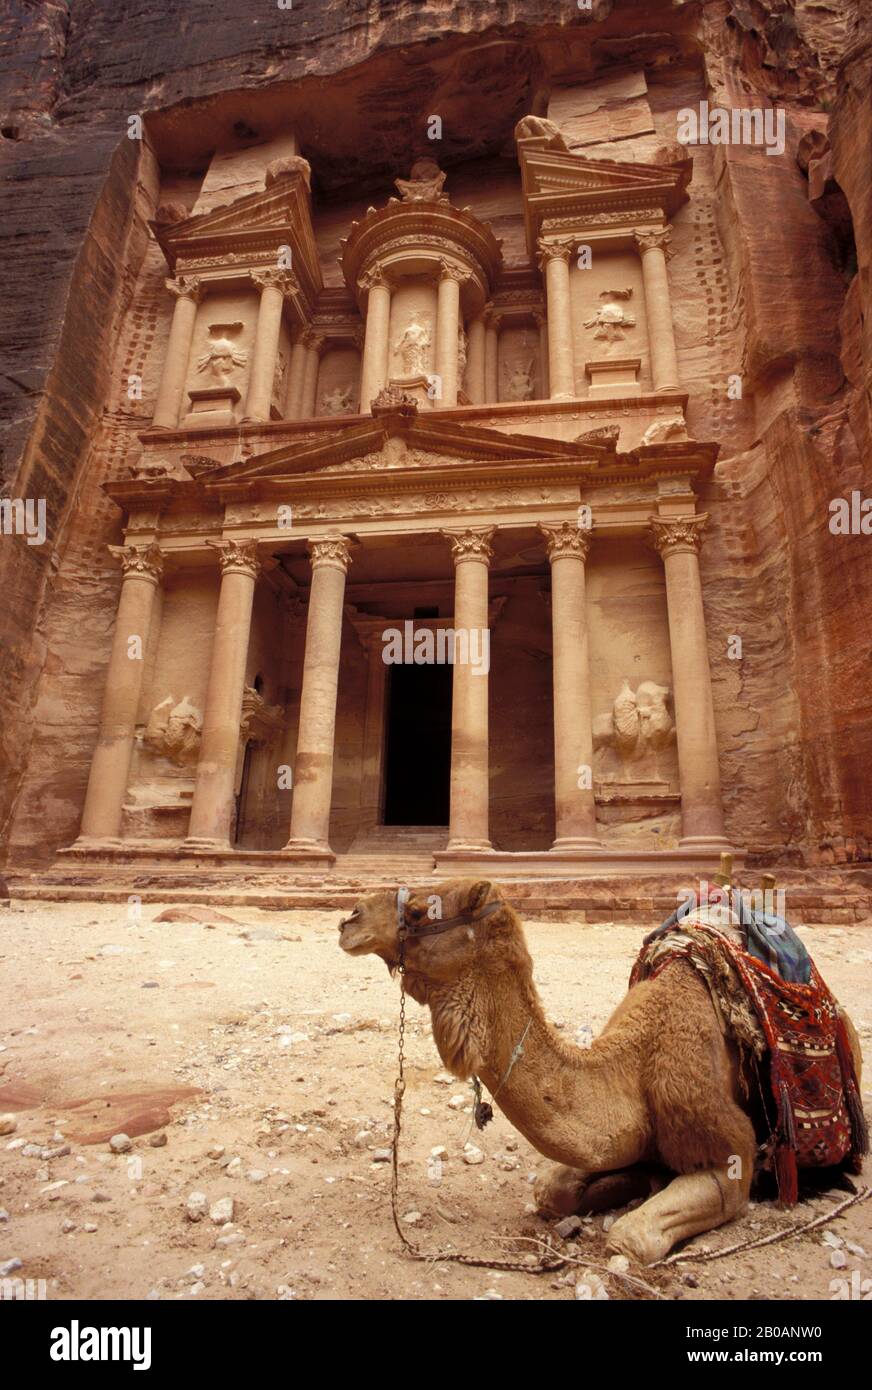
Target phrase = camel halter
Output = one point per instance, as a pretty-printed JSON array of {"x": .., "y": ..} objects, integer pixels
[{"x": 482, "y": 1111}]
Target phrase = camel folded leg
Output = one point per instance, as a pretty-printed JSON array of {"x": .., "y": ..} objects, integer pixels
[
  {"x": 573, "y": 1191},
  {"x": 693, "y": 1202}
]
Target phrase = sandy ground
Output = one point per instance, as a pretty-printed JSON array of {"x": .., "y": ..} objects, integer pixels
[{"x": 292, "y": 1048}]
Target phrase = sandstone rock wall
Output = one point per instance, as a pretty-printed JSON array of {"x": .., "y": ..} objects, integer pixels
[{"x": 770, "y": 282}]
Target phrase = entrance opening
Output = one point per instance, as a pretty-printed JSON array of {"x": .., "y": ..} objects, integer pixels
[{"x": 418, "y": 745}]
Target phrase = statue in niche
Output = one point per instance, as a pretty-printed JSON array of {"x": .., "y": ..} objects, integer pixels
[
  {"x": 461, "y": 353},
  {"x": 518, "y": 376},
  {"x": 639, "y": 725},
  {"x": 338, "y": 401},
  {"x": 173, "y": 731},
  {"x": 222, "y": 357},
  {"x": 424, "y": 184},
  {"x": 611, "y": 320},
  {"x": 413, "y": 349}
]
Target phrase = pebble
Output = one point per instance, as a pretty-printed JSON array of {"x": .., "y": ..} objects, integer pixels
[
  {"x": 221, "y": 1211},
  {"x": 60, "y": 1152},
  {"x": 9, "y": 1267},
  {"x": 618, "y": 1264},
  {"x": 256, "y": 1175},
  {"x": 855, "y": 1249},
  {"x": 4, "y": 1214},
  {"x": 457, "y": 1102},
  {"x": 197, "y": 1288},
  {"x": 472, "y": 1155},
  {"x": 590, "y": 1288},
  {"x": 158, "y": 1140},
  {"x": 8, "y": 1124},
  {"x": 196, "y": 1206},
  {"x": 67, "y": 1226},
  {"x": 120, "y": 1143},
  {"x": 411, "y": 1218},
  {"x": 838, "y": 1259},
  {"x": 216, "y": 1151},
  {"x": 830, "y": 1238},
  {"x": 568, "y": 1227},
  {"x": 31, "y": 1150},
  {"x": 89, "y": 1227},
  {"x": 237, "y": 1238},
  {"x": 101, "y": 1196},
  {"x": 381, "y": 1156}
]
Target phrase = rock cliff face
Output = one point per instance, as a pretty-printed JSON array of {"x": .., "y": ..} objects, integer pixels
[{"x": 781, "y": 260}]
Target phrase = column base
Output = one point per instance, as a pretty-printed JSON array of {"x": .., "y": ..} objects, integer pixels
[
  {"x": 706, "y": 844},
  {"x": 563, "y": 396},
  {"x": 468, "y": 847},
  {"x": 97, "y": 842},
  {"x": 196, "y": 843},
  {"x": 659, "y": 390},
  {"x": 316, "y": 849},
  {"x": 582, "y": 844}
]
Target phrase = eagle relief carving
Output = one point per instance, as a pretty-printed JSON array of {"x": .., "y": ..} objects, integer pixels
[{"x": 611, "y": 320}]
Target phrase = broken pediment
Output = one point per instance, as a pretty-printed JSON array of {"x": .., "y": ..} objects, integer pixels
[
  {"x": 566, "y": 193},
  {"x": 253, "y": 232}
]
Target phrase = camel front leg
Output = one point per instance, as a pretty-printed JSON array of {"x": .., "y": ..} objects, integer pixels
[{"x": 692, "y": 1203}]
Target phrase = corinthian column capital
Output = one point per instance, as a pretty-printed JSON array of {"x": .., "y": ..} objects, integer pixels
[
  {"x": 471, "y": 545},
  {"x": 678, "y": 533},
  {"x": 655, "y": 240},
  {"x": 566, "y": 541},
  {"x": 186, "y": 287},
  {"x": 237, "y": 557},
  {"x": 141, "y": 561},
  {"x": 447, "y": 271},
  {"x": 274, "y": 278},
  {"x": 331, "y": 552},
  {"x": 559, "y": 250},
  {"x": 371, "y": 279}
]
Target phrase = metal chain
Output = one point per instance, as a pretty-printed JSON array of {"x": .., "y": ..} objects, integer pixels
[{"x": 544, "y": 1265}]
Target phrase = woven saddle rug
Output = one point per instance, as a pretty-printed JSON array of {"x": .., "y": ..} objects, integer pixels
[{"x": 794, "y": 1032}]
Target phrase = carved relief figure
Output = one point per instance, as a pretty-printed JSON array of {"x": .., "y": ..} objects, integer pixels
[
  {"x": 173, "y": 730},
  {"x": 539, "y": 127},
  {"x": 424, "y": 184},
  {"x": 461, "y": 353},
  {"x": 611, "y": 319},
  {"x": 413, "y": 349},
  {"x": 222, "y": 357},
  {"x": 338, "y": 401},
  {"x": 518, "y": 377},
  {"x": 639, "y": 724},
  {"x": 279, "y": 375}
]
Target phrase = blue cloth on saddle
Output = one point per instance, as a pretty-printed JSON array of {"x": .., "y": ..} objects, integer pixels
[{"x": 768, "y": 937}]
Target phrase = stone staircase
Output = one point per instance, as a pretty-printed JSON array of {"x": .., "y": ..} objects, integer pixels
[{"x": 392, "y": 853}]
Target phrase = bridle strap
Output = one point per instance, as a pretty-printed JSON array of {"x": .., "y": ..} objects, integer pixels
[{"x": 463, "y": 919}]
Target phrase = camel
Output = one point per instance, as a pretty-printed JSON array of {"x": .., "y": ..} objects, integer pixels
[{"x": 659, "y": 1086}]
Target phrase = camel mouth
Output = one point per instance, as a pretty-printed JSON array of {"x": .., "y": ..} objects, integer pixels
[{"x": 354, "y": 938}]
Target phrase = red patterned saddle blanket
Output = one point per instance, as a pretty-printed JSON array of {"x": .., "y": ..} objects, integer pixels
[{"x": 804, "y": 1044}]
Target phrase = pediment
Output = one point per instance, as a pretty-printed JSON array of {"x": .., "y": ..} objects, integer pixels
[
  {"x": 579, "y": 192},
  {"x": 378, "y": 445},
  {"x": 249, "y": 226}
]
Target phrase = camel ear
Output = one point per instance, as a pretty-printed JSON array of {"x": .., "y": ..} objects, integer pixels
[{"x": 478, "y": 895}]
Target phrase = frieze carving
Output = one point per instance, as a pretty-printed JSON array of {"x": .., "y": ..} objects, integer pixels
[
  {"x": 582, "y": 219},
  {"x": 540, "y": 128},
  {"x": 471, "y": 544},
  {"x": 260, "y": 722},
  {"x": 606, "y": 435},
  {"x": 678, "y": 533},
  {"x": 331, "y": 552},
  {"x": 174, "y": 730},
  {"x": 566, "y": 541},
  {"x": 393, "y": 400},
  {"x": 672, "y": 431},
  {"x": 139, "y": 561}
]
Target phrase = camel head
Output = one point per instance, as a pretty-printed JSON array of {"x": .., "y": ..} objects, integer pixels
[{"x": 485, "y": 938}]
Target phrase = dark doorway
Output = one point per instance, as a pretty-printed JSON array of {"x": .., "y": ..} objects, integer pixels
[{"x": 418, "y": 745}]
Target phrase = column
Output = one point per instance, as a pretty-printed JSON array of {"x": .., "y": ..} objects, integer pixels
[
  {"x": 274, "y": 285},
  {"x": 447, "y": 320},
  {"x": 175, "y": 369},
  {"x": 314, "y": 345},
  {"x": 142, "y": 568},
  {"x": 212, "y": 810},
  {"x": 542, "y": 325},
  {"x": 654, "y": 248},
  {"x": 702, "y": 817},
  {"x": 313, "y": 765},
  {"x": 491, "y": 355},
  {"x": 554, "y": 263},
  {"x": 374, "y": 368},
  {"x": 575, "y": 808},
  {"x": 296, "y": 372},
  {"x": 372, "y": 758},
  {"x": 468, "y": 816},
  {"x": 475, "y": 364}
]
